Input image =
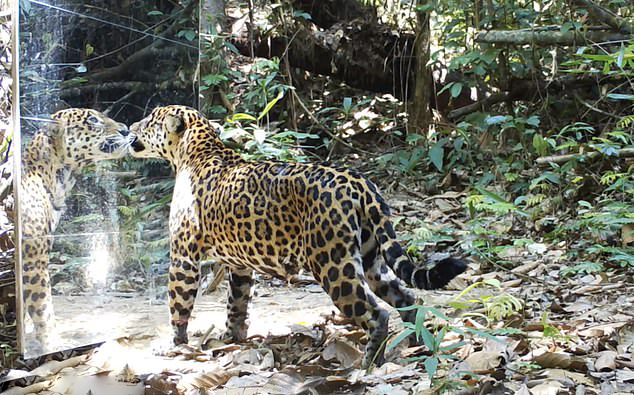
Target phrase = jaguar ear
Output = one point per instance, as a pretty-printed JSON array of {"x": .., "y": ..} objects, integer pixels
[{"x": 174, "y": 124}]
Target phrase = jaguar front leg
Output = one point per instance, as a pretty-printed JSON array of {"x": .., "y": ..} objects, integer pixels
[
  {"x": 183, "y": 286},
  {"x": 238, "y": 297}
]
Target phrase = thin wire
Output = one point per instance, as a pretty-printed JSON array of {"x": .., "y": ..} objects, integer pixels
[
  {"x": 111, "y": 23},
  {"x": 38, "y": 119}
]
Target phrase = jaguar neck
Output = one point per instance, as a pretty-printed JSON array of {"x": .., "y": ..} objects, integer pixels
[
  {"x": 43, "y": 162},
  {"x": 199, "y": 147}
]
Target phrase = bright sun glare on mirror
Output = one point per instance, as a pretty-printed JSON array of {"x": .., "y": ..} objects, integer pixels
[{"x": 100, "y": 260}]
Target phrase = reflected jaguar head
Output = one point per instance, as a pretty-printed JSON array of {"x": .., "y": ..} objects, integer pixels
[{"x": 87, "y": 135}]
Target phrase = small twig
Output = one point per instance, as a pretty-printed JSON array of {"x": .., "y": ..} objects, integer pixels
[{"x": 519, "y": 275}]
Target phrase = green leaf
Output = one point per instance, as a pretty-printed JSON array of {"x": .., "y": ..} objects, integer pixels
[
  {"x": 155, "y": 13},
  {"x": 240, "y": 117},
  {"x": 270, "y": 104},
  {"x": 456, "y": 88},
  {"x": 436, "y": 154},
  {"x": 302, "y": 14},
  {"x": 434, "y": 311},
  {"x": 428, "y": 338},
  {"x": 620, "y": 96},
  {"x": 431, "y": 365},
  {"x": 398, "y": 339},
  {"x": 497, "y": 119},
  {"x": 347, "y": 104},
  {"x": 619, "y": 58},
  {"x": 419, "y": 322},
  {"x": 412, "y": 138},
  {"x": 491, "y": 195}
]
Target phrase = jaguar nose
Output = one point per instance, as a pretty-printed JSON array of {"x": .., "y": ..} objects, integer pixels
[{"x": 123, "y": 130}]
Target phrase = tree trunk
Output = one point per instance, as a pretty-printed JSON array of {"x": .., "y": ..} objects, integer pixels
[
  {"x": 420, "y": 113},
  {"x": 213, "y": 22}
]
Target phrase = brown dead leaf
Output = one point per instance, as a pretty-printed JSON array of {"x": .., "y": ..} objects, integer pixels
[
  {"x": 525, "y": 268},
  {"x": 262, "y": 358},
  {"x": 127, "y": 375},
  {"x": 560, "y": 360},
  {"x": 53, "y": 367},
  {"x": 626, "y": 337},
  {"x": 291, "y": 383},
  {"x": 205, "y": 380},
  {"x": 484, "y": 362},
  {"x": 606, "y": 362},
  {"x": 562, "y": 375},
  {"x": 31, "y": 389},
  {"x": 161, "y": 384},
  {"x": 347, "y": 354}
]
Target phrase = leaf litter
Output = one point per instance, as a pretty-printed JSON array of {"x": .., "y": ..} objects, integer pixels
[{"x": 571, "y": 335}]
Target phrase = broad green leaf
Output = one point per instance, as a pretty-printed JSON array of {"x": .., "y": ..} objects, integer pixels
[
  {"x": 436, "y": 154},
  {"x": 497, "y": 119},
  {"x": 302, "y": 14},
  {"x": 431, "y": 365},
  {"x": 428, "y": 338},
  {"x": 456, "y": 88}
]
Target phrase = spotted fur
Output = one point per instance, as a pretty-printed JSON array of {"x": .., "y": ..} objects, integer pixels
[
  {"x": 278, "y": 218},
  {"x": 75, "y": 138}
]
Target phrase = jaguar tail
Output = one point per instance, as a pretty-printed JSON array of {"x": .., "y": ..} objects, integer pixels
[{"x": 393, "y": 254}]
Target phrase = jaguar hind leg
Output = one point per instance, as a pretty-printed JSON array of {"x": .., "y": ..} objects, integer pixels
[
  {"x": 343, "y": 279},
  {"x": 38, "y": 302}
]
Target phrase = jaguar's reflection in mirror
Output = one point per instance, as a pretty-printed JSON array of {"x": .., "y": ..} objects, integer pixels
[{"x": 76, "y": 138}]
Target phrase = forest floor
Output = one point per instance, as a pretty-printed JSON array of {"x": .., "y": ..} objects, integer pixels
[{"x": 569, "y": 336}]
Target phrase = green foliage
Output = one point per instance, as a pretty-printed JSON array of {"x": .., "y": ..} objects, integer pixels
[
  {"x": 433, "y": 341},
  {"x": 498, "y": 306}
]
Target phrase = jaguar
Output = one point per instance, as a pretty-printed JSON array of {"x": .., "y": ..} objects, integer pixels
[
  {"x": 74, "y": 138},
  {"x": 278, "y": 218}
]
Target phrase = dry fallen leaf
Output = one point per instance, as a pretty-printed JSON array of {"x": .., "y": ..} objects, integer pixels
[
  {"x": 347, "y": 354},
  {"x": 606, "y": 361},
  {"x": 483, "y": 362},
  {"x": 560, "y": 360},
  {"x": 523, "y": 390},
  {"x": 206, "y": 380},
  {"x": 561, "y": 374},
  {"x": 547, "y": 388}
]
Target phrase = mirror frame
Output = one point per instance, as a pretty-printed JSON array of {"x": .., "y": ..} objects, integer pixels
[{"x": 17, "y": 173}]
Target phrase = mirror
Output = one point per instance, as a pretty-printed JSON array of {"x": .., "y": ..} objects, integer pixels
[{"x": 94, "y": 225}]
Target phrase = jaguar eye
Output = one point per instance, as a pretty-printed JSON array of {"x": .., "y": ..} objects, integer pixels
[{"x": 94, "y": 120}]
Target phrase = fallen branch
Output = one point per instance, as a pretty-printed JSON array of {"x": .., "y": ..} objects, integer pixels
[
  {"x": 479, "y": 105},
  {"x": 546, "y": 38},
  {"x": 559, "y": 159}
]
